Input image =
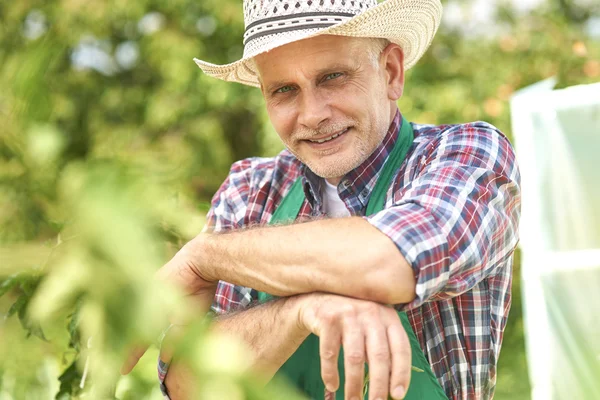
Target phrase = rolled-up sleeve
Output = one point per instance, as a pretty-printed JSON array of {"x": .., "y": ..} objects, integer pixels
[
  {"x": 456, "y": 220},
  {"x": 227, "y": 212}
]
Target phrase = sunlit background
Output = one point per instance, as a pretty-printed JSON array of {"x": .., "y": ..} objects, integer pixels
[{"x": 112, "y": 143}]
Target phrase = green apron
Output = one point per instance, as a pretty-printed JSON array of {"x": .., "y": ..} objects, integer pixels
[{"x": 303, "y": 368}]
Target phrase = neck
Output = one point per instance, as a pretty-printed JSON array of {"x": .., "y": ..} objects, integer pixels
[{"x": 334, "y": 181}]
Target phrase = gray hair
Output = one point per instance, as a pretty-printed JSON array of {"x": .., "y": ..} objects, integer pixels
[{"x": 375, "y": 47}]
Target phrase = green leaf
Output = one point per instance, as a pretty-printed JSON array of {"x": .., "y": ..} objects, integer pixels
[
  {"x": 69, "y": 382},
  {"x": 8, "y": 284},
  {"x": 35, "y": 329},
  {"x": 73, "y": 327},
  {"x": 32, "y": 328},
  {"x": 29, "y": 284},
  {"x": 17, "y": 305}
]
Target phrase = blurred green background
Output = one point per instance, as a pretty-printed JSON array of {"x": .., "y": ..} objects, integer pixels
[{"x": 112, "y": 143}]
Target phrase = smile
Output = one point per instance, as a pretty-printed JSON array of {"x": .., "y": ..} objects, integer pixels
[{"x": 330, "y": 138}]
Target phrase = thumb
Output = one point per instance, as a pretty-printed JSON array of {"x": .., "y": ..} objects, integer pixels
[{"x": 307, "y": 311}]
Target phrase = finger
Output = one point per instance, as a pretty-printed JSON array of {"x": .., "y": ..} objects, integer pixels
[
  {"x": 378, "y": 356},
  {"x": 132, "y": 359},
  {"x": 329, "y": 350},
  {"x": 354, "y": 359},
  {"x": 181, "y": 382},
  {"x": 401, "y": 359}
]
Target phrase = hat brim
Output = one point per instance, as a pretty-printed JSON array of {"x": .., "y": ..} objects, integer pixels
[{"x": 411, "y": 24}]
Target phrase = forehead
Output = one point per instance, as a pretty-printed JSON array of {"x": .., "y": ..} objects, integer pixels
[{"x": 310, "y": 54}]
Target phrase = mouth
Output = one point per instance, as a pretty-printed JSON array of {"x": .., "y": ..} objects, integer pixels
[{"x": 329, "y": 138}]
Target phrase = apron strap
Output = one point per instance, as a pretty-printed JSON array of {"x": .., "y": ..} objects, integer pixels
[
  {"x": 290, "y": 206},
  {"x": 405, "y": 139}
]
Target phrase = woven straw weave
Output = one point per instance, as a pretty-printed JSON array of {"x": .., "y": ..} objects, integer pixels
[{"x": 272, "y": 23}]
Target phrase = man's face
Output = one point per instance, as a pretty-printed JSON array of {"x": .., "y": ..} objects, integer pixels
[{"x": 330, "y": 100}]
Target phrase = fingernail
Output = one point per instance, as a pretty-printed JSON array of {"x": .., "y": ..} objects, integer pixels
[{"x": 399, "y": 392}]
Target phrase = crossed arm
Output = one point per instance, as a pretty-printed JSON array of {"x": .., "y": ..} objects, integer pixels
[{"x": 302, "y": 261}]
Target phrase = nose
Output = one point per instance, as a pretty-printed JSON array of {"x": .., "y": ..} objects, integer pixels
[{"x": 314, "y": 110}]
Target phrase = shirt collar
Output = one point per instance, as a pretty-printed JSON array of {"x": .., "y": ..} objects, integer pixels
[{"x": 359, "y": 182}]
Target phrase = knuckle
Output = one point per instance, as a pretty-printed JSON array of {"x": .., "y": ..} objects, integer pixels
[
  {"x": 380, "y": 354},
  {"x": 377, "y": 393},
  {"x": 353, "y": 389},
  {"x": 328, "y": 355},
  {"x": 347, "y": 312},
  {"x": 372, "y": 308},
  {"x": 378, "y": 388},
  {"x": 401, "y": 371},
  {"x": 392, "y": 315},
  {"x": 329, "y": 316},
  {"x": 355, "y": 358},
  {"x": 400, "y": 374},
  {"x": 329, "y": 374}
]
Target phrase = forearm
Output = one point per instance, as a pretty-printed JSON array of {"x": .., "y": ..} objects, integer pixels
[
  {"x": 345, "y": 256},
  {"x": 270, "y": 330}
]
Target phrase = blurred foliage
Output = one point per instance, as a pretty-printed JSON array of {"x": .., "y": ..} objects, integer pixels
[{"x": 112, "y": 143}]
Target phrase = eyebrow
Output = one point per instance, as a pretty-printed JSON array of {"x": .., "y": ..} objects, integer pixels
[{"x": 323, "y": 71}]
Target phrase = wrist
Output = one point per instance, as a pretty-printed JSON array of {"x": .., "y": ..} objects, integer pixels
[
  {"x": 197, "y": 252},
  {"x": 300, "y": 305}
]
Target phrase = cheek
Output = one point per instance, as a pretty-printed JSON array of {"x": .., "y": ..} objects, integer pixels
[
  {"x": 282, "y": 119},
  {"x": 355, "y": 99}
]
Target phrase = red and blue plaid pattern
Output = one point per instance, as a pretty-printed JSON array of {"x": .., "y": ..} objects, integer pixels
[{"x": 452, "y": 211}]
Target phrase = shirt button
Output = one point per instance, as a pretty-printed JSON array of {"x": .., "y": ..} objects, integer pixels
[{"x": 346, "y": 183}]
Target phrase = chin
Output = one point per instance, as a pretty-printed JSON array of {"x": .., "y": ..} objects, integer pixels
[
  {"x": 331, "y": 170},
  {"x": 334, "y": 165}
]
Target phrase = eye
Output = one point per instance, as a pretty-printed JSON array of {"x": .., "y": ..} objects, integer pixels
[
  {"x": 334, "y": 75},
  {"x": 284, "y": 89}
]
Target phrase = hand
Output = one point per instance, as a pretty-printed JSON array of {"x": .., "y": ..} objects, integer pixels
[
  {"x": 183, "y": 272},
  {"x": 369, "y": 332}
]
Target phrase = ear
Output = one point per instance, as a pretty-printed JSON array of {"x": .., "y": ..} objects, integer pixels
[{"x": 393, "y": 57}]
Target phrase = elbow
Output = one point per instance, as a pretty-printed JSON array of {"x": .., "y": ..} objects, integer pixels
[
  {"x": 404, "y": 296},
  {"x": 400, "y": 286},
  {"x": 391, "y": 282}
]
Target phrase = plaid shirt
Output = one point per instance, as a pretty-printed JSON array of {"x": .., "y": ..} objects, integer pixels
[{"x": 452, "y": 211}]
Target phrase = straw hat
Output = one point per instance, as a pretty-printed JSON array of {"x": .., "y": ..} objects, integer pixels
[{"x": 274, "y": 23}]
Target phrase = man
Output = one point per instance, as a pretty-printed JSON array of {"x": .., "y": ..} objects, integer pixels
[{"x": 421, "y": 217}]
